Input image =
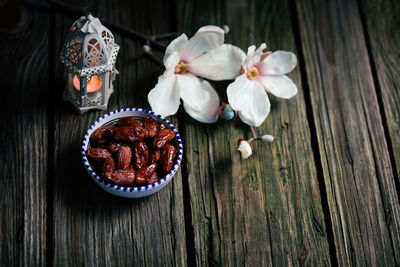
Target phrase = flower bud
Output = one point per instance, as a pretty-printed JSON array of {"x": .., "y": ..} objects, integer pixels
[
  {"x": 147, "y": 48},
  {"x": 245, "y": 148},
  {"x": 267, "y": 138},
  {"x": 226, "y": 29},
  {"x": 226, "y": 112}
]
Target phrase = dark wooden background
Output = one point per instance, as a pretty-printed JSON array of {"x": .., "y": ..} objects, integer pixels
[{"x": 325, "y": 192}]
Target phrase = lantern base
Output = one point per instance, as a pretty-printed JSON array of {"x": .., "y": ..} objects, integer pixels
[{"x": 90, "y": 106}]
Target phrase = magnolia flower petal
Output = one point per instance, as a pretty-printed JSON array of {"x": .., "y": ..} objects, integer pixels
[
  {"x": 164, "y": 98},
  {"x": 200, "y": 100},
  {"x": 256, "y": 112},
  {"x": 260, "y": 50},
  {"x": 189, "y": 85},
  {"x": 205, "y": 39},
  {"x": 171, "y": 63},
  {"x": 238, "y": 92},
  {"x": 279, "y": 62},
  {"x": 279, "y": 85},
  {"x": 253, "y": 56},
  {"x": 177, "y": 45},
  {"x": 249, "y": 99},
  {"x": 251, "y": 50},
  {"x": 258, "y": 106},
  {"x": 250, "y": 54},
  {"x": 221, "y": 63}
]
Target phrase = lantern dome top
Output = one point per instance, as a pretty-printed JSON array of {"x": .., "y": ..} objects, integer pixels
[{"x": 90, "y": 48}]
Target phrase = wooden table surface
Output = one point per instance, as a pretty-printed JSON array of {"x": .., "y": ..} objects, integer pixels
[{"x": 325, "y": 192}]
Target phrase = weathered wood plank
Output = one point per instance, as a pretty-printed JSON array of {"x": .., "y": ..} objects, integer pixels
[
  {"x": 382, "y": 22},
  {"x": 358, "y": 175},
  {"x": 265, "y": 210},
  {"x": 23, "y": 136},
  {"x": 92, "y": 227}
]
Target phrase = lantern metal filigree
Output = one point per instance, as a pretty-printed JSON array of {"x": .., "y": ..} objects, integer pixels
[{"x": 89, "y": 55}]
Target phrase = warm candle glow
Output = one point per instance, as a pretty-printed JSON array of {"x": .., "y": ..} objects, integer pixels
[{"x": 92, "y": 86}]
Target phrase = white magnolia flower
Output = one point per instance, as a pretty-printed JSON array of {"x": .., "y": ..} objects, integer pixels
[
  {"x": 262, "y": 71},
  {"x": 203, "y": 55},
  {"x": 245, "y": 148}
]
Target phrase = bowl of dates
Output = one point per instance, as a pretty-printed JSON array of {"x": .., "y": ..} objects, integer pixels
[{"x": 132, "y": 152}]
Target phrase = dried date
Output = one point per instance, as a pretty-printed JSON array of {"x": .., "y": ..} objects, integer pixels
[
  {"x": 128, "y": 121},
  {"x": 130, "y": 168},
  {"x": 141, "y": 154},
  {"x": 153, "y": 179},
  {"x": 163, "y": 137},
  {"x": 129, "y": 134},
  {"x": 98, "y": 153},
  {"x": 124, "y": 157},
  {"x": 154, "y": 155},
  {"x": 114, "y": 147},
  {"x": 143, "y": 174},
  {"x": 101, "y": 134},
  {"x": 151, "y": 127},
  {"x": 120, "y": 177},
  {"x": 168, "y": 154},
  {"x": 109, "y": 165}
]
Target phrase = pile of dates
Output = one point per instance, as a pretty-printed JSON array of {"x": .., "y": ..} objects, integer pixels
[{"x": 132, "y": 151}]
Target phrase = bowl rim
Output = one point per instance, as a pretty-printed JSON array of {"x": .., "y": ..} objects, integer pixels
[{"x": 159, "y": 183}]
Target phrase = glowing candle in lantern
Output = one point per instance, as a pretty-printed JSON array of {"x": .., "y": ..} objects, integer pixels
[{"x": 92, "y": 86}]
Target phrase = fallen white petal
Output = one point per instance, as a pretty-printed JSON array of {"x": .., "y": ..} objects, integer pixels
[
  {"x": 164, "y": 98},
  {"x": 245, "y": 149},
  {"x": 278, "y": 85},
  {"x": 279, "y": 62},
  {"x": 206, "y": 38},
  {"x": 221, "y": 63},
  {"x": 200, "y": 100},
  {"x": 258, "y": 106},
  {"x": 177, "y": 45}
]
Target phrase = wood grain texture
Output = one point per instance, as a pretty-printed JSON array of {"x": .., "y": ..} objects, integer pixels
[
  {"x": 265, "y": 210},
  {"x": 358, "y": 175},
  {"x": 382, "y": 22},
  {"x": 23, "y": 136},
  {"x": 92, "y": 227}
]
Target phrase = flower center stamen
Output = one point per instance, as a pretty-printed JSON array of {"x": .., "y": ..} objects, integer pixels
[
  {"x": 181, "y": 68},
  {"x": 252, "y": 73}
]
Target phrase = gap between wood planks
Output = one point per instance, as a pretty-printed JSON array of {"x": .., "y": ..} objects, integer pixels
[{"x": 313, "y": 132}]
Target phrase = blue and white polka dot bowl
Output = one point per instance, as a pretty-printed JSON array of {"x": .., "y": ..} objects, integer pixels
[{"x": 123, "y": 191}]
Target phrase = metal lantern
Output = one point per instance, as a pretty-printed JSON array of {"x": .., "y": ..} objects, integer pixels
[{"x": 89, "y": 54}]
